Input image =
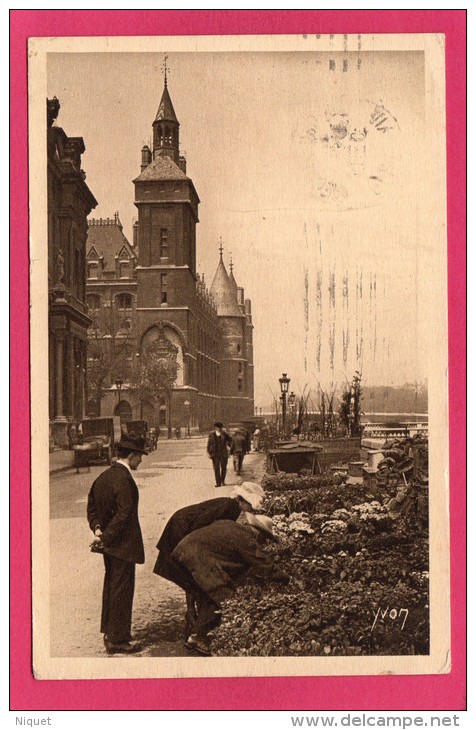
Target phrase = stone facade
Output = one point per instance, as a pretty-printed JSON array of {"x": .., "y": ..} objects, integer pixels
[
  {"x": 210, "y": 332},
  {"x": 69, "y": 203}
]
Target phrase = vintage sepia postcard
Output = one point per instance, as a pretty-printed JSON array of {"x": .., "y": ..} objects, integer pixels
[{"x": 239, "y": 356}]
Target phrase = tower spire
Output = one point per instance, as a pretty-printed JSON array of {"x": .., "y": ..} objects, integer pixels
[
  {"x": 166, "y": 125},
  {"x": 220, "y": 248},
  {"x": 231, "y": 263}
]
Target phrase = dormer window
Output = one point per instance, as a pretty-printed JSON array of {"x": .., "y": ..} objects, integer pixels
[
  {"x": 124, "y": 269},
  {"x": 93, "y": 271}
]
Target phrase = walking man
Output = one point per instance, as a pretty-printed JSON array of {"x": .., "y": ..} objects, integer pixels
[
  {"x": 113, "y": 517},
  {"x": 217, "y": 448},
  {"x": 239, "y": 447}
]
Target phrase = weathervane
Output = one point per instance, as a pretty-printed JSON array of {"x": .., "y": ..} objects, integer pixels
[
  {"x": 231, "y": 262},
  {"x": 165, "y": 68},
  {"x": 220, "y": 248}
]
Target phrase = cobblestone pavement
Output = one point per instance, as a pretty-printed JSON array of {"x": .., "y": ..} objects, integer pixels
[{"x": 177, "y": 474}]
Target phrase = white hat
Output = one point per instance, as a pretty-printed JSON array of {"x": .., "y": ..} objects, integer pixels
[
  {"x": 251, "y": 492},
  {"x": 261, "y": 522}
]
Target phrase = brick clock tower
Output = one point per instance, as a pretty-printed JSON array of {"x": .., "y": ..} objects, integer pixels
[{"x": 175, "y": 311}]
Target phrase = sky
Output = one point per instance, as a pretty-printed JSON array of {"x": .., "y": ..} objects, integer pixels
[{"x": 312, "y": 176}]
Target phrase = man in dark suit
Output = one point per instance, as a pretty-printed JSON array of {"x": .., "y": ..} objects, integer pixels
[
  {"x": 217, "y": 448},
  {"x": 239, "y": 447},
  {"x": 113, "y": 517}
]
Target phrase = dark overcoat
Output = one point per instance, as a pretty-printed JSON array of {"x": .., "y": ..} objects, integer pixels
[
  {"x": 218, "y": 555},
  {"x": 217, "y": 446},
  {"x": 182, "y": 523},
  {"x": 113, "y": 506},
  {"x": 239, "y": 444}
]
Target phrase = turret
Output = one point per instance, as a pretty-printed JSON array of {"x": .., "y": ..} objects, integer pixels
[{"x": 166, "y": 128}]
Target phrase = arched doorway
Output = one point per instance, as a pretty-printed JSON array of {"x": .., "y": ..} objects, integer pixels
[{"x": 124, "y": 411}]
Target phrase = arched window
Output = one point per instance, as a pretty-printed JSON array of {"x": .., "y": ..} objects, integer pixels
[
  {"x": 94, "y": 304},
  {"x": 168, "y": 136},
  {"x": 124, "y": 410}
]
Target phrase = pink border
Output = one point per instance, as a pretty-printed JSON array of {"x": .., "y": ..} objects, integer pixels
[{"x": 434, "y": 692}]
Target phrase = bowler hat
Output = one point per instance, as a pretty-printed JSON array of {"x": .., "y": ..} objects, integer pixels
[
  {"x": 218, "y": 424},
  {"x": 132, "y": 443}
]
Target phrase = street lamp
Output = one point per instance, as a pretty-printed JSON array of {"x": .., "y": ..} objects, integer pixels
[
  {"x": 187, "y": 405},
  {"x": 292, "y": 404},
  {"x": 119, "y": 384},
  {"x": 284, "y": 384}
]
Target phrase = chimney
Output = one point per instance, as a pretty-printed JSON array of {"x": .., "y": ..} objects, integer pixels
[
  {"x": 146, "y": 158},
  {"x": 241, "y": 296},
  {"x": 182, "y": 163},
  {"x": 135, "y": 232},
  {"x": 248, "y": 306}
]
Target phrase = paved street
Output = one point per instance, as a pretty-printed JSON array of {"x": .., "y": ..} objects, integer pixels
[{"x": 177, "y": 474}]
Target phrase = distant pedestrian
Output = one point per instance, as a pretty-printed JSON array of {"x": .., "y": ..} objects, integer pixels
[
  {"x": 216, "y": 557},
  {"x": 239, "y": 447},
  {"x": 247, "y": 497},
  {"x": 256, "y": 435},
  {"x": 177, "y": 432},
  {"x": 112, "y": 513},
  {"x": 218, "y": 451}
]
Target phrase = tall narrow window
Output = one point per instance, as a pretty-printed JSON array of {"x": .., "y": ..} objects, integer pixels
[
  {"x": 164, "y": 243},
  {"x": 163, "y": 288}
]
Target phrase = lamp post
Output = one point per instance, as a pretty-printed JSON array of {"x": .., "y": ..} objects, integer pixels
[
  {"x": 118, "y": 407},
  {"x": 119, "y": 384},
  {"x": 292, "y": 405},
  {"x": 284, "y": 384},
  {"x": 187, "y": 405}
]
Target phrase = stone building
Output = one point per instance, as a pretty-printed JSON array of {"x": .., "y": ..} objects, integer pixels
[
  {"x": 69, "y": 203},
  {"x": 111, "y": 299},
  {"x": 206, "y": 334}
]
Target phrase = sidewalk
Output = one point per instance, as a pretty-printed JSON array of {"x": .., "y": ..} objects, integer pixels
[{"x": 61, "y": 460}]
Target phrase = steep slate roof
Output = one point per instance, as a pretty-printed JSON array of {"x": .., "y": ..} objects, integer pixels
[
  {"x": 162, "y": 168},
  {"x": 108, "y": 240},
  {"x": 166, "y": 111},
  {"x": 233, "y": 281},
  {"x": 224, "y": 293}
]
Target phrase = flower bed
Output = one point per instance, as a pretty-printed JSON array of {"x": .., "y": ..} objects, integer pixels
[
  {"x": 359, "y": 581},
  {"x": 282, "y": 481}
]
